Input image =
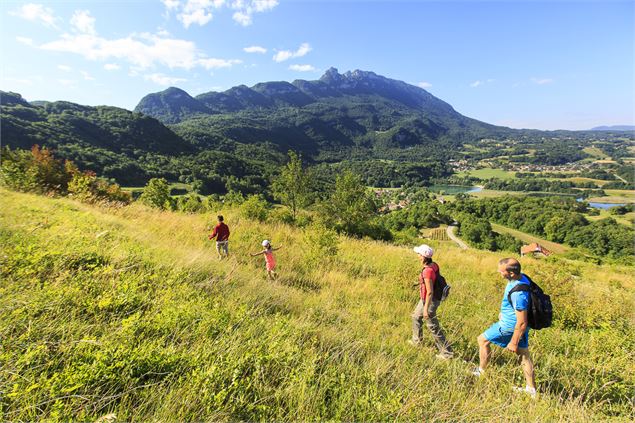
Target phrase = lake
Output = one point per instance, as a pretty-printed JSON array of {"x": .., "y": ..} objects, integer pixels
[
  {"x": 605, "y": 206},
  {"x": 454, "y": 189}
]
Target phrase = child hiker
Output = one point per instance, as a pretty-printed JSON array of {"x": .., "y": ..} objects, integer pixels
[{"x": 270, "y": 261}]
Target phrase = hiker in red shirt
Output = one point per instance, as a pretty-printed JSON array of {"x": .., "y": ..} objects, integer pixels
[
  {"x": 427, "y": 306},
  {"x": 221, "y": 233}
]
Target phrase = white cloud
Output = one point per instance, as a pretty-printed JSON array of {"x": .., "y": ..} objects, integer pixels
[
  {"x": 82, "y": 22},
  {"x": 87, "y": 76},
  {"x": 24, "y": 40},
  {"x": 140, "y": 50},
  {"x": 263, "y": 5},
  {"x": 302, "y": 68},
  {"x": 200, "y": 12},
  {"x": 242, "y": 18},
  {"x": 211, "y": 63},
  {"x": 170, "y": 4},
  {"x": 159, "y": 78},
  {"x": 199, "y": 16},
  {"x": 283, "y": 55},
  {"x": 424, "y": 84},
  {"x": 194, "y": 11},
  {"x": 541, "y": 81},
  {"x": 64, "y": 68},
  {"x": 480, "y": 82},
  {"x": 112, "y": 66},
  {"x": 255, "y": 49},
  {"x": 246, "y": 9},
  {"x": 36, "y": 13}
]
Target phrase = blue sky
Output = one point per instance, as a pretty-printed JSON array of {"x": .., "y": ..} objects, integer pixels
[{"x": 538, "y": 64}]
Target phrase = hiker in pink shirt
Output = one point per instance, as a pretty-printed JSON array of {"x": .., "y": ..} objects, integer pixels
[{"x": 270, "y": 260}]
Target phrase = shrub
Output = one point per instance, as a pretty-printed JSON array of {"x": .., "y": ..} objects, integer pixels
[
  {"x": 233, "y": 198},
  {"x": 212, "y": 203},
  {"x": 38, "y": 171},
  {"x": 190, "y": 203},
  {"x": 282, "y": 215},
  {"x": 157, "y": 194},
  {"x": 255, "y": 207},
  {"x": 34, "y": 171},
  {"x": 321, "y": 243}
]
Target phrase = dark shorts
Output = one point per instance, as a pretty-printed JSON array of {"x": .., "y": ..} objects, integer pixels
[{"x": 501, "y": 336}]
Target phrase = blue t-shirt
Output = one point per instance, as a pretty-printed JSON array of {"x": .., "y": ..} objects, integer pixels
[{"x": 520, "y": 300}]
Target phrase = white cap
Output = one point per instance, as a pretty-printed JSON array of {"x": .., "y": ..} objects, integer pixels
[
  {"x": 424, "y": 250},
  {"x": 265, "y": 243}
]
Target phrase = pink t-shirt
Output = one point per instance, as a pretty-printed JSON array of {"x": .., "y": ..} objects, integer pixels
[
  {"x": 428, "y": 272},
  {"x": 270, "y": 260}
]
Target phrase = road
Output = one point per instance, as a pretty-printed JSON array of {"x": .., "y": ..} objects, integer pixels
[
  {"x": 618, "y": 176},
  {"x": 450, "y": 230}
]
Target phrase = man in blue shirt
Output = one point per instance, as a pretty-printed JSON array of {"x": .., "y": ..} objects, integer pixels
[{"x": 512, "y": 329}]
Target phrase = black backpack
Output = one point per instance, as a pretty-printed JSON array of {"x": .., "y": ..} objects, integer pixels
[
  {"x": 540, "y": 311},
  {"x": 441, "y": 287}
]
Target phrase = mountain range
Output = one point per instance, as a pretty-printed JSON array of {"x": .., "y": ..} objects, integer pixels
[
  {"x": 338, "y": 111},
  {"x": 614, "y": 128},
  {"x": 358, "y": 117}
]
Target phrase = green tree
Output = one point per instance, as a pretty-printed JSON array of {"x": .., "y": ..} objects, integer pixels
[
  {"x": 351, "y": 206},
  {"x": 156, "y": 194},
  {"x": 293, "y": 186}
]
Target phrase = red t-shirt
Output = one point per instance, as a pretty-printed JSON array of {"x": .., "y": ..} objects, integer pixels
[
  {"x": 428, "y": 272},
  {"x": 221, "y": 232}
]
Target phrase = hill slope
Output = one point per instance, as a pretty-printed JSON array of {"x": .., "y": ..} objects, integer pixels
[
  {"x": 108, "y": 140},
  {"x": 127, "y": 311}
]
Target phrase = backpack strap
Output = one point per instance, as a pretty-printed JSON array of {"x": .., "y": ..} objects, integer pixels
[{"x": 519, "y": 287}]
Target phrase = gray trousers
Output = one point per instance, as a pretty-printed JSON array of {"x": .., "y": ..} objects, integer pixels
[
  {"x": 222, "y": 246},
  {"x": 433, "y": 325}
]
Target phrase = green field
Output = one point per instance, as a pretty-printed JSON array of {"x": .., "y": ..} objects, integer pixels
[
  {"x": 625, "y": 219},
  {"x": 596, "y": 153},
  {"x": 616, "y": 196},
  {"x": 125, "y": 312},
  {"x": 488, "y": 173},
  {"x": 528, "y": 238},
  {"x": 598, "y": 182},
  {"x": 491, "y": 193}
]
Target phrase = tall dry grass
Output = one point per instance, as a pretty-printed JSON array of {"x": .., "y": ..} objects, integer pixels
[{"x": 128, "y": 311}]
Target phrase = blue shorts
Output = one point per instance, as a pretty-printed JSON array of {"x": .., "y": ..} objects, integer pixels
[{"x": 501, "y": 337}]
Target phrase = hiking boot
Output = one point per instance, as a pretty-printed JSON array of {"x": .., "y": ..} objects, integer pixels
[{"x": 527, "y": 389}]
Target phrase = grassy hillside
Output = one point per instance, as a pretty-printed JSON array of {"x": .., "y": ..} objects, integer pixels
[
  {"x": 127, "y": 311},
  {"x": 527, "y": 238}
]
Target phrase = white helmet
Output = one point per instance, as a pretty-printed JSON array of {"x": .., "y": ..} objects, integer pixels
[{"x": 265, "y": 243}]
